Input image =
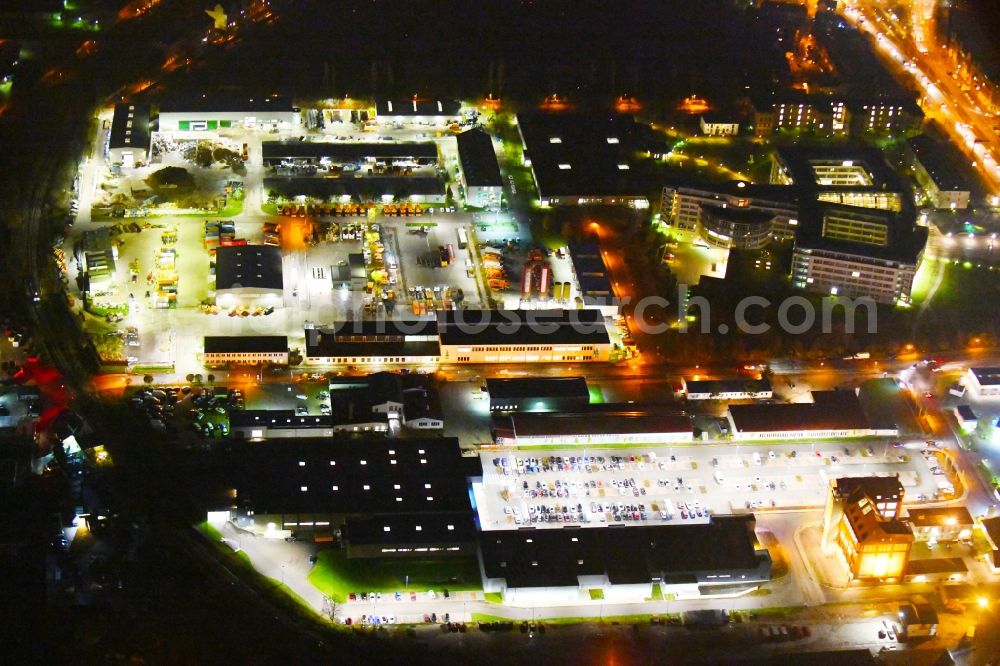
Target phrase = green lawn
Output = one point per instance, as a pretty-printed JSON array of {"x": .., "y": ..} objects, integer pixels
[{"x": 337, "y": 576}]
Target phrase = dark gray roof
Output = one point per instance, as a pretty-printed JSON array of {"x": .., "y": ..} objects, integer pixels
[
  {"x": 277, "y": 418},
  {"x": 556, "y": 557},
  {"x": 479, "y": 160},
  {"x": 269, "y": 476},
  {"x": 987, "y": 376},
  {"x": 581, "y": 141},
  {"x": 381, "y": 338},
  {"x": 728, "y": 386},
  {"x": 124, "y": 135},
  {"x": 347, "y": 152},
  {"x": 832, "y": 410},
  {"x": 943, "y": 163},
  {"x": 906, "y": 240},
  {"x": 217, "y": 103},
  {"x": 245, "y": 344},
  {"x": 522, "y": 327},
  {"x": 409, "y": 107},
  {"x": 537, "y": 387},
  {"x": 591, "y": 272},
  {"x": 248, "y": 266},
  {"x": 601, "y": 420},
  {"x": 412, "y": 529}
]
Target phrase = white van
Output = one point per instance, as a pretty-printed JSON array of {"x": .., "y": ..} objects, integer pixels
[
  {"x": 719, "y": 478},
  {"x": 756, "y": 458}
]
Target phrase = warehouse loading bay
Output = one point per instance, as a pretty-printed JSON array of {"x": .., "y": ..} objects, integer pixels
[{"x": 553, "y": 487}]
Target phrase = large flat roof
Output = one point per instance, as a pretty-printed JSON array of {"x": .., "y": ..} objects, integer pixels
[
  {"x": 832, "y": 410},
  {"x": 374, "y": 338},
  {"x": 543, "y": 558},
  {"x": 277, "y": 418},
  {"x": 598, "y": 420},
  {"x": 728, "y": 386},
  {"x": 411, "y": 107},
  {"x": 943, "y": 163},
  {"x": 370, "y": 476},
  {"x": 248, "y": 266},
  {"x": 906, "y": 240},
  {"x": 591, "y": 271},
  {"x": 799, "y": 162},
  {"x": 415, "y": 528},
  {"x": 537, "y": 387},
  {"x": 940, "y": 517},
  {"x": 130, "y": 127},
  {"x": 347, "y": 152},
  {"x": 245, "y": 344},
  {"x": 575, "y": 154},
  {"x": 987, "y": 376},
  {"x": 216, "y": 103},
  {"x": 522, "y": 327},
  {"x": 479, "y": 159}
]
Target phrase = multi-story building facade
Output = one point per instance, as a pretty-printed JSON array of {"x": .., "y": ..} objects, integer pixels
[{"x": 862, "y": 522}]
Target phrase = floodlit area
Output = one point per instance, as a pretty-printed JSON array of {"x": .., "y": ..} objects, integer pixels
[
  {"x": 644, "y": 485},
  {"x": 141, "y": 260}
]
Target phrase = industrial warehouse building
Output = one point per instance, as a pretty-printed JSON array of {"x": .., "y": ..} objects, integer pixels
[
  {"x": 223, "y": 350},
  {"x": 580, "y": 159},
  {"x": 596, "y": 425},
  {"x": 373, "y": 342},
  {"x": 983, "y": 382},
  {"x": 480, "y": 170},
  {"x": 259, "y": 424},
  {"x": 128, "y": 140},
  {"x": 212, "y": 113},
  {"x": 727, "y": 389},
  {"x": 591, "y": 274},
  {"x": 528, "y": 566},
  {"x": 277, "y": 153},
  {"x": 520, "y": 336},
  {"x": 317, "y": 486},
  {"x": 438, "y": 112},
  {"x": 249, "y": 274},
  {"x": 382, "y": 189},
  {"x": 537, "y": 394},
  {"x": 831, "y": 414}
]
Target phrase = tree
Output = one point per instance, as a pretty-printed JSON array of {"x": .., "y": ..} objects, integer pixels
[
  {"x": 189, "y": 377},
  {"x": 331, "y": 608},
  {"x": 171, "y": 182},
  {"x": 211, "y": 379},
  {"x": 147, "y": 379},
  {"x": 198, "y": 378}
]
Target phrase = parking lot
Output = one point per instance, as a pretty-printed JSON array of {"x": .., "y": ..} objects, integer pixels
[{"x": 593, "y": 487}]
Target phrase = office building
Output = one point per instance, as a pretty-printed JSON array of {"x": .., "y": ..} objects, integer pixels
[
  {"x": 862, "y": 522},
  {"x": 942, "y": 171},
  {"x": 942, "y": 524},
  {"x": 857, "y": 253}
]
